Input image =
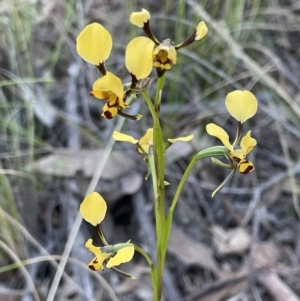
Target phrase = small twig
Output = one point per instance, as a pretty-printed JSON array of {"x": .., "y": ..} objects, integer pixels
[
  {"x": 52, "y": 259},
  {"x": 216, "y": 286},
  {"x": 257, "y": 191},
  {"x": 277, "y": 287},
  {"x": 26, "y": 275},
  {"x": 73, "y": 137}
]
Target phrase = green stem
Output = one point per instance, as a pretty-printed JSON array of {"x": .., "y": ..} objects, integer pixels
[
  {"x": 159, "y": 88},
  {"x": 208, "y": 152},
  {"x": 146, "y": 256},
  {"x": 158, "y": 151},
  {"x": 101, "y": 235},
  {"x": 150, "y": 262},
  {"x": 152, "y": 167},
  {"x": 156, "y": 162}
]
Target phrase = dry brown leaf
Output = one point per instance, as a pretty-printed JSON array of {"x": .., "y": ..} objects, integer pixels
[
  {"x": 190, "y": 252},
  {"x": 68, "y": 162},
  {"x": 235, "y": 241}
]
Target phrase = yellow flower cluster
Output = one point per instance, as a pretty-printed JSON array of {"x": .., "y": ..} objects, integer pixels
[
  {"x": 165, "y": 52},
  {"x": 94, "y": 45},
  {"x": 241, "y": 105},
  {"x": 93, "y": 210}
]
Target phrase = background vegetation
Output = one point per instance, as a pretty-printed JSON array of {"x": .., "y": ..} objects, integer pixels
[{"x": 243, "y": 244}]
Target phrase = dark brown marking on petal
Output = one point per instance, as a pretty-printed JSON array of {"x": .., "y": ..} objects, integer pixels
[
  {"x": 115, "y": 104},
  {"x": 236, "y": 159},
  {"x": 249, "y": 167},
  {"x": 161, "y": 59},
  {"x": 107, "y": 114},
  {"x": 163, "y": 62},
  {"x": 247, "y": 170},
  {"x": 92, "y": 267},
  {"x": 162, "y": 56}
]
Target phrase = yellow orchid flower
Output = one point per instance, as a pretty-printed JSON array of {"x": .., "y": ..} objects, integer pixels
[
  {"x": 94, "y": 44},
  {"x": 237, "y": 155},
  {"x": 164, "y": 54},
  {"x": 110, "y": 88},
  {"x": 241, "y": 105},
  {"x": 110, "y": 255},
  {"x": 93, "y": 208},
  {"x": 97, "y": 263},
  {"x": 145, "y": 142}
]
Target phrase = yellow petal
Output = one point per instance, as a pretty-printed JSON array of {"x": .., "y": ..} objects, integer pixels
[
  {"x": 123, "y": 137},
  {"x": 122, "y": 256},
  {"x": 113, "y": 101},
  {"x": 97, "y": 262},
  {"x": 216, "y": 131},
  {"x": 246, "y": 167},
  {"x": 95, "y": 265},
  {"x": 93, "y": 208},
  {"x": 201, "y": 31},
  {"x": 146, "y": 141},
  {"x": 184, "y": 139},
  {"x": 139, "y": 18},
  {"x": 94, "y": 44},
  {"x": 248, "y": 143},
  {"x": 110, "y": 82},
  {"x": 100, "y": 94},
  {"x": 237, "y": 155},
  {"x": 109, "y": 112},
  {"x": 138, "y": 57},
  {"x": 241, "y": 105}
]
